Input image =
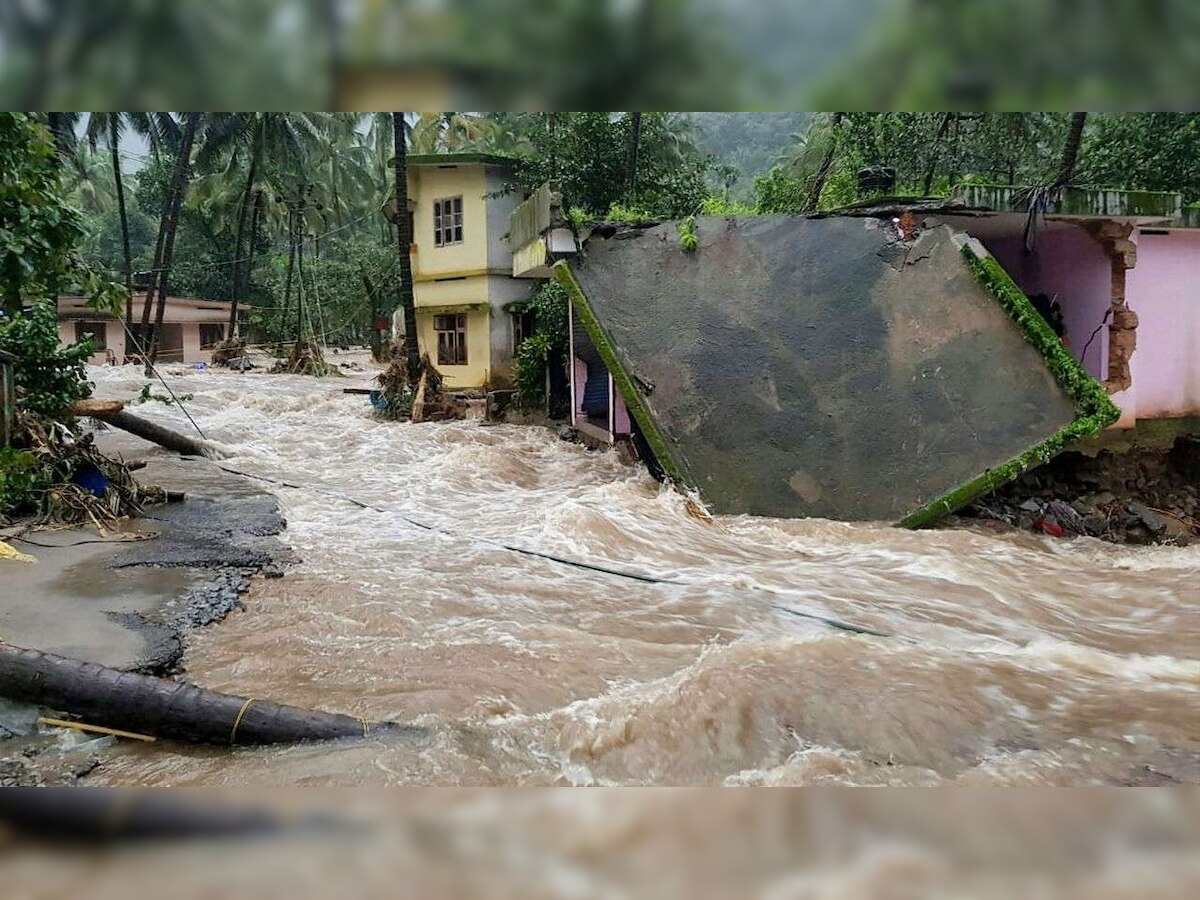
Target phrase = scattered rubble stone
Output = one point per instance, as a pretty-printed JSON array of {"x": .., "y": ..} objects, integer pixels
[
  {"x": 1142, "y": 496},
  {"x": 17, "y": 773}
]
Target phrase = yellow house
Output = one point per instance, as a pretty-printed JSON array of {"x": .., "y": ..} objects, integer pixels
[{"x": 462, "y": 266}]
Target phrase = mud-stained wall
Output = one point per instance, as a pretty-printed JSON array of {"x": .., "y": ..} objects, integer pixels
[{"x": 818, "y": 366}]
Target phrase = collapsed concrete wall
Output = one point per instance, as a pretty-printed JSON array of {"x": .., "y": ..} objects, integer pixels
[{"x": 795, "y": 366}]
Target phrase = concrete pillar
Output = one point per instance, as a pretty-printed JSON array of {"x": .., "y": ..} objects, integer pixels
[{"x": 191, "y": 344}]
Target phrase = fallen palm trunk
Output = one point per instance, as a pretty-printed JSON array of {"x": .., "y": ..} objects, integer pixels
[
  {"x": 113, "y": 413},
  {"x": 162, "y": 708}
]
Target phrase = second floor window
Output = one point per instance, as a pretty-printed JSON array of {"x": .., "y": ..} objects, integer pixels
[{"x": 447, "y": 221}]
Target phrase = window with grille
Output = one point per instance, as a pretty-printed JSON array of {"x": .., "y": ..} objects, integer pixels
[
  {"x": 451, "y": 339},
  {"x": 522, "y": 323},
  {"x": 98, "y": 332},
  {"x": 447, "y": 221}
]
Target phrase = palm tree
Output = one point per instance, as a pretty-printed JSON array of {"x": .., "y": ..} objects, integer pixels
[
  {"x": 450, "y": 132},
  {"x": 635, "y": 136},
  {"x": 109, "y": 126},
  {"x": 403, "y": 240},
  {"x": 62, "y": 128},
  {"x": 88, "y": 181},
  {"x": 1066, "y": 170},
  {"x": 254, "y": 138},
  {"x": 165, "y": 248}
]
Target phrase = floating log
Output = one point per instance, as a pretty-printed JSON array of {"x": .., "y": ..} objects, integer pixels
[
  {"x": 108, "y": 814},
  {"x": 358, "y": 390},
  {"x": 167, "y": 709},
  {"x": 156, "y": 434},
  {"x": 96, "y": 408}
]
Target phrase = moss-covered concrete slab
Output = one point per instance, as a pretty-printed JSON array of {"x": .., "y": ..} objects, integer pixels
[{"x": 823, "y": 367}]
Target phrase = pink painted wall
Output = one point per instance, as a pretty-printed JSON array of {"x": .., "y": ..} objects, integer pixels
[
  {"x": 581, "y": 370},
  {"x": 1164, "y": 290},
  {"x": 620, "y": 415},
  {"x": 1069, "y": 263}
]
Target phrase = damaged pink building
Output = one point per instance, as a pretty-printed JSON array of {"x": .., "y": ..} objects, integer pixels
[{"x": 1124, "y": 269}]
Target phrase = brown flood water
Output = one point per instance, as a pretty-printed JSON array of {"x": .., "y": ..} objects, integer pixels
[{"x": 1012, "y": 659}]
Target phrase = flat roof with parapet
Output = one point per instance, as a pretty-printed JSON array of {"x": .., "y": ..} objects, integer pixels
[
  {"x": 458, "y": 159},
  {"x": 75, "y": 307}
]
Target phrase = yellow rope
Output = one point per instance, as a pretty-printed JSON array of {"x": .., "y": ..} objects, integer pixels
[
  {"x": 238, "y": 720},
  {"x": 98, "y": 729}
]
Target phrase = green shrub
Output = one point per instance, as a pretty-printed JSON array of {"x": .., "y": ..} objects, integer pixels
[
  {"x": 548, "y": 303},
  {"x": 49, "y": 379},
  {"x": 630, "y": 215},
  {"x": 689, "y": 241},
  {"x": 530, "y": 369},
  {"x": 721, "y": 206},
  {"x": 23, "y": 479}
]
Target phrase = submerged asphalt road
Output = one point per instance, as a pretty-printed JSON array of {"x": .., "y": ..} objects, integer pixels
[{"x": 127, "y": 599}]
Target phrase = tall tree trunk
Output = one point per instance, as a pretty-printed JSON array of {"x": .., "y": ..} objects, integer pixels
[
  {"x": 372, "y": 315},
  {"x": 814, "y": 197},
  {"x": 255, "y": 217},
  {"x": 300, "y": 266},
  {"x": 403, "y": 240},
  {"x": 635, "y": 139},
  {"x": 287, "y": 281},
  {"x": 179, "y": 181},
  {"x": 155, "y": 266},
  {"x": 114, "y": 140},
  {"x": 1066, "y": 171},
  {"x": 239, "y": 241},
  {"x": 931, "y": 169}
]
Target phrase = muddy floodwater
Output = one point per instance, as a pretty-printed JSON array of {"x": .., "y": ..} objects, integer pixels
[{"x": 1008, "y": 659}]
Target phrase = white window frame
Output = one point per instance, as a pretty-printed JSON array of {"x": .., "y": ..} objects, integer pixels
[
  {"x": 459, "y": 325},
  {"x": 448, "y": 221}
]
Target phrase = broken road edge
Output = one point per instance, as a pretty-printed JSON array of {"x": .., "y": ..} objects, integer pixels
[{"x": 1094, "y": 410}]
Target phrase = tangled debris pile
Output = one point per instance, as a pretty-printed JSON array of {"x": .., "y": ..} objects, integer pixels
[
  {"x": 1139, "y": 497},
  {"x": 306, "y": 358},
  {"x": 425, "y": 401},
  {"x": 55, "y": 477},
  {"x": 228, "y": 350}
]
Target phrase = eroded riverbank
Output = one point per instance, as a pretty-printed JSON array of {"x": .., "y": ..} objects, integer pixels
[{"x": 1011, "y": 658}]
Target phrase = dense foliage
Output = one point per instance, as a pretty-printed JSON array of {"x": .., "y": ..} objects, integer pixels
[
  {"x": 38, "y": 228},
  {"x": 38, "y": 232},
  {"x": 548, "y": 343},
  {"x": 746, "y": 144},
  {"x": 48, "y": 379},
  {"x": 933, "y": 152},
  {"x": 321, "y": 179},
  {"x": 588, "y": 155},
  {"x": 1148, "y": 151}
]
